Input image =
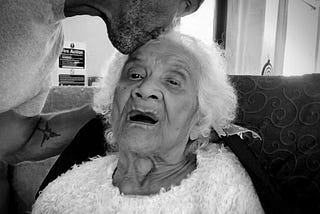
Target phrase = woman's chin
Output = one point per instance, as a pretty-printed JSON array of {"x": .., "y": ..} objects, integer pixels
[{"x": 139, "y": 141}]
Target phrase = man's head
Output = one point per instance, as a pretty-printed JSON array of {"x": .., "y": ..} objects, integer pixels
[
  {"x": 131, "y": 23},
  {"x": 138, "y": 21},
  {"x": 183, "y": 83}
]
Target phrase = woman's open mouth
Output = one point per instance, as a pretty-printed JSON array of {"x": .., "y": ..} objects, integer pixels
[{"x": 145, "y": 118}]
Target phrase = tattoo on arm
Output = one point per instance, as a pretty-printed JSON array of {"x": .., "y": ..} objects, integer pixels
[{"x": 47, "y": 133}]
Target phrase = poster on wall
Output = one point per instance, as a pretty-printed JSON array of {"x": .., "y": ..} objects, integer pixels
[
  {"x": 71, "y": 68},
  {"x": 72, "y": 58},
  {"x": 71, "y": 79}
]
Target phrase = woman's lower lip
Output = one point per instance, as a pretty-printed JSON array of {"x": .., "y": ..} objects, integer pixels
[{"x": 141, "y": 124}]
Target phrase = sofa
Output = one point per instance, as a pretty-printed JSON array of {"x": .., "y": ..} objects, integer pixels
[{"x": 284, "y": 111}]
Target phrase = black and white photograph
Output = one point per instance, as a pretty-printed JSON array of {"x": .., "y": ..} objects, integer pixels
[{"x": 159, "y": 106}]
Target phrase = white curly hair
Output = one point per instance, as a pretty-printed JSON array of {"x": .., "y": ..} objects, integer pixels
[{"x": 216, "y": 96}]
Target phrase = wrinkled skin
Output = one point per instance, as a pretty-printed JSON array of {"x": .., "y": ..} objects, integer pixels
[
  {"x": 131, "y": 23},
  {"x": 159, "y": 79}
]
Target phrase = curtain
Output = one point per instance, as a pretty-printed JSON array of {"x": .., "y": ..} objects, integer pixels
[{"x": 245, "y": 35}]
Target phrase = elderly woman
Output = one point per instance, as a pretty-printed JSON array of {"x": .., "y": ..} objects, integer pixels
[{"x": 162, "y": 102}]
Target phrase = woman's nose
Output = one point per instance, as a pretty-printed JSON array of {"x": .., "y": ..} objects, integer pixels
[{"x": 147, "y": 90}]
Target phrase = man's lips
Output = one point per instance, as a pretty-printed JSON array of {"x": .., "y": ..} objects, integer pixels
[{"x": 143, "y": 117}]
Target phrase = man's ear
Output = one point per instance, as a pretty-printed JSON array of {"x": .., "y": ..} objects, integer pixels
[{"x": 190, "y": 6}]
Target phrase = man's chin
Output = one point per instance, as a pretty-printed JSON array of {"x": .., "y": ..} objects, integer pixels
[
  {"x": 127, "y": 42},
  {"x": 124, "y": 44}
]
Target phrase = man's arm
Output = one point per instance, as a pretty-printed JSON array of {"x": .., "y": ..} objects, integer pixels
[{"x": 40, "y": 137}]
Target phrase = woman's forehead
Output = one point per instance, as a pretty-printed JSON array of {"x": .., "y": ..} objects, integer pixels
[{"x": 167, "y": 50}]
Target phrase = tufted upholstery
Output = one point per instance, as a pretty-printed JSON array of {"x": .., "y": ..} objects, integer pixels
[{"x": 285, "y": 111}]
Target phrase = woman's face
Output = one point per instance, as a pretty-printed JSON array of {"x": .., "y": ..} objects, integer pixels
[{"x": 155, "y": 102}]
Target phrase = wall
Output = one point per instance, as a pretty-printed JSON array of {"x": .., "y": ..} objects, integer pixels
[
  {"x": 302, "y": 27},
  {"x": 200, "y": 23},
  {"x": 91, "y": 31}
]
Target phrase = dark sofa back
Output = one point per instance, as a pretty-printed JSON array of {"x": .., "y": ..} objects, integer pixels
[{"x": 285, "y": 111}]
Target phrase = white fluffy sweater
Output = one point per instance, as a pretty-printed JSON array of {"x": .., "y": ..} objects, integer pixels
[
  {"x": 219, "y": 184},
  {"x": 31, "y": 40}
]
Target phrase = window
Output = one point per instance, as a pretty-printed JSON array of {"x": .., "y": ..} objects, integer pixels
[
  {"x": 200, "y": 23},
  {"x": 282, "y": 34}
]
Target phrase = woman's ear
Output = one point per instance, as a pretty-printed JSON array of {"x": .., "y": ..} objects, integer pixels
[
  {"x": 195, "y": 130},
  {"x": 194, "y": 133}
]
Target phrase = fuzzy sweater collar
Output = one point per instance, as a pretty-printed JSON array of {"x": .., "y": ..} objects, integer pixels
[{"x": 219, "y": 184}]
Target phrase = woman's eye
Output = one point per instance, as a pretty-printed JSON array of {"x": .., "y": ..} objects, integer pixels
[
  {"x": 173, "y": 82},
  {"x": 135, "y": 76}
]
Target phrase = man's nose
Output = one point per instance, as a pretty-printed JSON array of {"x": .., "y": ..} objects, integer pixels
[{"x": 147, "y": 90}]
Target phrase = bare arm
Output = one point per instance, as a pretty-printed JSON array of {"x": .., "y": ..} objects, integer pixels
[{"x": 39, "y": 137}]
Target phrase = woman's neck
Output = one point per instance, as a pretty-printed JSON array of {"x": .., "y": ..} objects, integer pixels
[{"x": 136, "y": 175}]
